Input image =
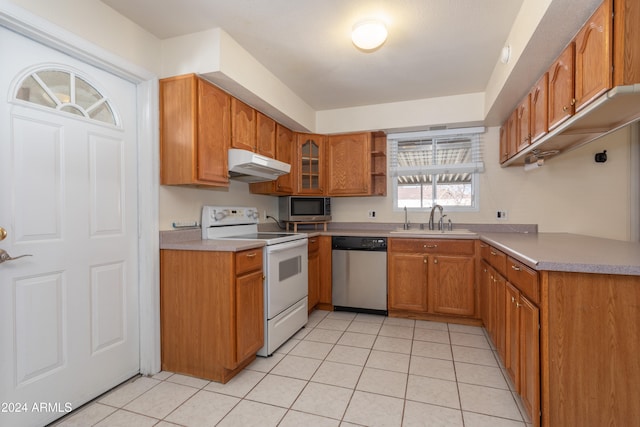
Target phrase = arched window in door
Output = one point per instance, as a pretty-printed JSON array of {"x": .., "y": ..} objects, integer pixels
[{"x": 65, "y": 91}]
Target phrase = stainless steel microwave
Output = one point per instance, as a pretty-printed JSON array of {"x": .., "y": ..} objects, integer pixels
[{"x": 304, "y": 208}]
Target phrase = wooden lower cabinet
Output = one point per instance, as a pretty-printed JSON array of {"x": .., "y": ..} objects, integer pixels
[
  {"x": 452, "y": 285},
  {"x": 500, "y": 290},
  {"x": 314, "y": 272},
  {"x": 249, "y": 318},
  {"x": 428, "y": 278},
  {"x": 325, "y": 302},
  {"x": 589, "y": 349},
  {"x": 487, "y": 297},
  {"x": 569, "y": 341},
  {"x": 211, "y": 311},
  {"x": 407, "y": 281},
  {"x": 512, "y": 322},
  {"x": 529, "y": 388},
  {"x": 512, "y": 334}
]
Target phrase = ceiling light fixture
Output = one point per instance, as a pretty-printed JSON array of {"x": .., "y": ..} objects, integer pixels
[
  {"x": 505, "y": 54},
  {"x": 369, "y": 34}
]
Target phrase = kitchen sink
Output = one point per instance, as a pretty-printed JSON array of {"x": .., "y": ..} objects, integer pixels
[{"x": 427, "y": 232}]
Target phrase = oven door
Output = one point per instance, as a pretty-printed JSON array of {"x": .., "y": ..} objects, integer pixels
[{"x": 287, "y": 276}]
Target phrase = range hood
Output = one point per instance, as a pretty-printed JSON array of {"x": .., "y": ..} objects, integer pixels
[{"x": 247, "y": 166}]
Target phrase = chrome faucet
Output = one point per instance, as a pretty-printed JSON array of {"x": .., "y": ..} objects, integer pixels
[{"x": 431, "y": 223}]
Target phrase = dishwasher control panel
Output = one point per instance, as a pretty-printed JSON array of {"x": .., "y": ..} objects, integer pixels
[{"x": 356, "y": 243}]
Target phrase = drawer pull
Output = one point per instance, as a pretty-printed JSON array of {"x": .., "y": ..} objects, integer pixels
[
  {"x": 493, "y": 253},
  {"x": 251, "y": 255},
  {"x": 313, "y": 240},
  {"x": 430, "y": 246},
  {"x": 515, "y": 267}
]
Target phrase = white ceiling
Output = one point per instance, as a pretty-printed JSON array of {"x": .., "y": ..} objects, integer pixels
[{"x": 435, "y": 47}]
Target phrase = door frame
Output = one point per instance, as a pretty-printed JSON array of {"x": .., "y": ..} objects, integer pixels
[{"x": 51, "y": 35}]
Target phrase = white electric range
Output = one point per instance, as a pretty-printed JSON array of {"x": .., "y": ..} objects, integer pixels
[{"x": 285, "y": 265}]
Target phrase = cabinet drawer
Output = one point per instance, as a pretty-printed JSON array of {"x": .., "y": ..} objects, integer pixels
[
  {"x": 463, "y": 247},
  {"x": 314, "y": 244},
  {"x": 524, "y": 278},
  {"x": 495, "y": 258},
  {"x": 248, "y": 260}
]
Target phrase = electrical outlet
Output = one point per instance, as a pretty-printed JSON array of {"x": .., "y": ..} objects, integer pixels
[
  {"x": 372, "y": 214},
  {"x": 501, "y": 215}
]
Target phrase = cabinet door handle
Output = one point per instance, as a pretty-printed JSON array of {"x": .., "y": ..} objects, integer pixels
[
  {"x": 435, "y": 261},
  {"x": 515, "y": 267},
  {"x": 513, "y": 300}
]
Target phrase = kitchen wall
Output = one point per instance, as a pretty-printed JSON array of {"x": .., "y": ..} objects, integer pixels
[
  {"x": 101, "y": 25},
  {"x": 570, "y": 193},
  {"x": 185, "y": 203}
]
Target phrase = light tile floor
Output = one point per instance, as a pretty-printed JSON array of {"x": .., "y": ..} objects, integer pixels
[{"x": 342, "y": 369}]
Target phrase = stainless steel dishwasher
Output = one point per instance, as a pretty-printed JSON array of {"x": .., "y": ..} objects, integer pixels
[{"x": 359, "y": 274}]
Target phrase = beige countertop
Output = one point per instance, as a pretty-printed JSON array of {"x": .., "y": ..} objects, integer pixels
[
  {"x": 569, "y": 252},
  {"x": 540, "y": 251},
  {"x": 191, "y": 240}
]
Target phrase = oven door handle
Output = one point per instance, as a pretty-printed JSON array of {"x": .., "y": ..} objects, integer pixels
[{"x": 286, "y": 246}]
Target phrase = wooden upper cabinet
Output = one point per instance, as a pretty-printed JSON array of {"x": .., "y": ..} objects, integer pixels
[
  {"x": 594, "y": 56},
  {"x": 309, "y": 165},
  {"x": 539, "y": 108},
  {"x": 512, "y": 138},
  {"x": 626, "y": 54},
  {"x": 504, "y": 142},
  {"x": 561, "y": 93},
  {"x": 243, "y": 126},
  {"x": 523, "y": 124},
  {"x": 265, "y": 135},
  {"x": 194, "y": 132},
  {"x": 349, "y": 164},
  {"x": 285, "y": 152}
]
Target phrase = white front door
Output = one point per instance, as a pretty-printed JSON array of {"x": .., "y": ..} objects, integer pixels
[{"x": 69, "y": 326}]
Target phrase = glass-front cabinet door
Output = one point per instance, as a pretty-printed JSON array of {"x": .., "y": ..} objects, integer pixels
[{"x": 310, "y": 162}]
